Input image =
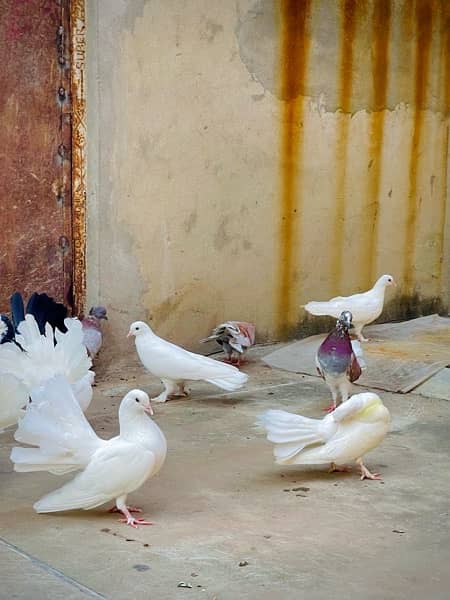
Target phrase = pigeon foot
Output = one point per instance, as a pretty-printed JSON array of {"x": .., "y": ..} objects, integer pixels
[
  {"x": 329, "y": 409},
  {"x": 130, "y": 520},
  {"x": 366, "y": 474},
  {"x": 161, "y": 398},
  {"x": 334, "y": 468},
  {"x": 181, "y": 394}
]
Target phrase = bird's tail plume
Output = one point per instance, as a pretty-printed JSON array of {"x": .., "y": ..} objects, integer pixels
[
  {"x": 54, "y": 422},
  {"x": 290, "y": 433}
]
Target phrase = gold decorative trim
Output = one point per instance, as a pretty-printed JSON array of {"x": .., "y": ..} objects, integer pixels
[{"x": 78, "y": 94}]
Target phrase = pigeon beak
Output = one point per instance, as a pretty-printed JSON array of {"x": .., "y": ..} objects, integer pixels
[
  {"x": 149, "y": 410},
  {"x": 394, "y": 284},
  {"x": 129, "y": 334}
]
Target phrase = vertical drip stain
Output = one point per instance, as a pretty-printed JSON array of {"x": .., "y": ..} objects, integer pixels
[
  {"x": 442, "y": 232},
  {"x": 345, "y": 95},
  {"x": 294, "y": 50},
  {"x": 380, "y": 48},
  {"x": 445, "y": 109},
  {"x": 423, "y": 17}
]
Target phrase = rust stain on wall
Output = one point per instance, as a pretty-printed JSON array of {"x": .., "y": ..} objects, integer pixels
[
  {"x": 349, "y": 15},
  {"x": 443, "y": 212},
  {"x": 423, "y": 14},
  {"x": 445, "y": 107},
  {"x": 380, "y": 50},
  {"x": 294, "y": 49}
]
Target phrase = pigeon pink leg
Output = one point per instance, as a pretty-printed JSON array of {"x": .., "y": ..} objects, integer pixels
[
  {"x": 131, "y": 509},
  {"x": 334, "y": 468},
  {"x": 129, "y": 519},
  {"x": 365, "y": 473}
]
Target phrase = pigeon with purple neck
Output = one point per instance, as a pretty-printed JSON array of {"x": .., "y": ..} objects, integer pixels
[{"x": 340, "y": 360}]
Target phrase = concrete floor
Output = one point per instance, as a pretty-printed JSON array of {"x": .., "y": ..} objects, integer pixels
[{"x": 220, "y": 501}]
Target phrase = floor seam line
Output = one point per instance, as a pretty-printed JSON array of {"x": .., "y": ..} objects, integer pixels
[{"x": 52, "y": 570}]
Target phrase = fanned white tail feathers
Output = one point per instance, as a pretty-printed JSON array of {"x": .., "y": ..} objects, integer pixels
[
  {"x": 55, "y": 423},
  {"x": 41, "y": 359},
  {"x": 13, "y": 397},
  {"x": 290, "y": 433}
]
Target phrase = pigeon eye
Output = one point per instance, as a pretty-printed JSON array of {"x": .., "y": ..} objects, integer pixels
[{"x": 137, "y": 399}]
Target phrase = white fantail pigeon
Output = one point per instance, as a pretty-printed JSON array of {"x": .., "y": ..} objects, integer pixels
[
  {"x": 34, "y": 358},
  {"x": 365, "y": 307},
  {"x": 174, "y": 365},
  {"x": 353, "y": 429},
  {"x": 235, "y": 337},
  {"x": 92, "y": 331},
  {"x": 340, "y": 360},
  {"x": 110, "y": 469}
]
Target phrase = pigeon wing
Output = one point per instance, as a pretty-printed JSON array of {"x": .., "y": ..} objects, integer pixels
[{"x": 114, "y": 470}]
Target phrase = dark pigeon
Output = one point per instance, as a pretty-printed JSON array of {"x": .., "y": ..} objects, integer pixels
[
  {"x": 42, "y": 307},
  {"x": 339, "y": 360}
]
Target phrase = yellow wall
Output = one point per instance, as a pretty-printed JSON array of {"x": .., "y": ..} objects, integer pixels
[{"x": 246, "y": 157}]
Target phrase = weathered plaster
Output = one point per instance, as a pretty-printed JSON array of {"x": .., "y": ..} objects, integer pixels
[{"x": 186, "y": 161}]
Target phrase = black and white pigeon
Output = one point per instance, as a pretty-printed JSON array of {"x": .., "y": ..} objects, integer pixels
[
  {"x": 43, "y": 308},
  {"x": 340, "y": 360},
  {"x": 7, "y": 332}
]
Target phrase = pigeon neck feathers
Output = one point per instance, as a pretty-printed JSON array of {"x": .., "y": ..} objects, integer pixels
[
  {"x": 135, "y": 424},
  {"x": 91, "y": 322},
  {"x": 337, "y": 342}
]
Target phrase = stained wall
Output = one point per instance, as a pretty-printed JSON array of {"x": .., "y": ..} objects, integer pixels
[{"x": 245, "y": 157}]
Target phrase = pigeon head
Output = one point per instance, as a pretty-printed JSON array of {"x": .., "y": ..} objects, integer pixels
[
  {"x": 138, "y": 328},
  {"x": 346, "y": 319},
  {"x": 385, "y": 281},
  {"x": 99, "y": 312},
  {"x": 135, "y": 403}
]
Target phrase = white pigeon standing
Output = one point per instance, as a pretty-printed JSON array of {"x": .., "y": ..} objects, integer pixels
[
  {"x": 174, "y": 365},
  {"x": 38, "y": 359},
  {"x": 348, "y": 433},
  {"x": 365, "y": 307},
  {"x": 111, "y": 469}
]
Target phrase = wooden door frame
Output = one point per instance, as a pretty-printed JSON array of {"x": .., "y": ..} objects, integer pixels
[{"x": 78, "y": 97}]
